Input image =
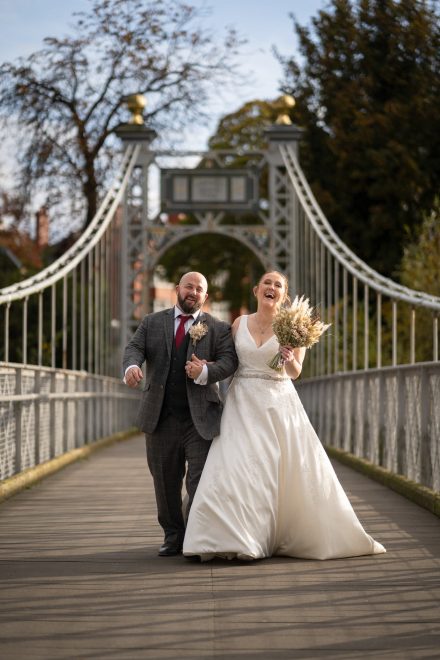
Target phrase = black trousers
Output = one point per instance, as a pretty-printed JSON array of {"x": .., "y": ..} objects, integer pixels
[{"x": 175, "y": 448}]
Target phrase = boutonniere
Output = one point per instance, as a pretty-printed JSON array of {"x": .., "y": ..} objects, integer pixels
[{"x": 197, "y": 331}]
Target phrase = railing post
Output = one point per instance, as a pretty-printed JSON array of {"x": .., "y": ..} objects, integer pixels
[
  {"x": 7, "y": 308},
  {"x": 18, "y": 421},
  {"x": 64, "y": 329},
  {"x": 366, "y": 328},
  {"x": 53, "y": 326},
  {"x": 24, "y": 329},
  {"x": 354, "y": 346},
  {"x": 40, "y": 330},
  {"x": 378, "y": 330},
  {"x": 412, "y": 341},
  {"x": 336, "y": 323}
]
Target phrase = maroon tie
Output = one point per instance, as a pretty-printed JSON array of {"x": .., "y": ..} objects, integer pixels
[{"x": 180, "y": 333}]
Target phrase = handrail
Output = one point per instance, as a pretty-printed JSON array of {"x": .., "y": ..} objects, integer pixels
[
  {"x": 339, "y": 250},
  {"x": 86, "y": 242}
]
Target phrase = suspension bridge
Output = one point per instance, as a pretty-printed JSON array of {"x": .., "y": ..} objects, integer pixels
[{"x": 80, "y": 575}]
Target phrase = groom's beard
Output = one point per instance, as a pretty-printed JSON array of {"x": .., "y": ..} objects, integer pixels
[{"x": 188, "y": 306}]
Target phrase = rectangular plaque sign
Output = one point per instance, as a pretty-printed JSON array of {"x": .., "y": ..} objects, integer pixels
[{"x": 209, "y": 190}]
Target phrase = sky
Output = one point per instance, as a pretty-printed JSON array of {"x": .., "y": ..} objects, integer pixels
[{"x": 264, "y": 23}]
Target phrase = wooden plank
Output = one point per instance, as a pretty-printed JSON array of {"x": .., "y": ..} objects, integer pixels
[{"x": 80, "y": 578}]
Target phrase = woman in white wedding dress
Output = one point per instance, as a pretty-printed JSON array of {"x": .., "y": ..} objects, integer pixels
[{"x": 268, "y": 487}]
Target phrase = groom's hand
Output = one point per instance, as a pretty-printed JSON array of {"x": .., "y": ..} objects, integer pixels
[
  {"x": 194, "y": 367},
  {"x": 133, "y": 376}
]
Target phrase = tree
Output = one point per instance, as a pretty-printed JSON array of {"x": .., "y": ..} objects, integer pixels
[
  {"x": 420, "y": 267},
  {"x": 67, "y": 98},
  {"x": 230, "y": 268},
  {"x": 243, "y": 130},
  {"x": 367, "y": 88}
]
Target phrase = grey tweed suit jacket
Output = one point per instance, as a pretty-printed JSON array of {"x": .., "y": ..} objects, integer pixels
[{"x": 152, "y": 343}]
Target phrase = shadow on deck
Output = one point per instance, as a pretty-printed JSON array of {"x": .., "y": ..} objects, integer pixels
[{"x": 81, "y": 579}]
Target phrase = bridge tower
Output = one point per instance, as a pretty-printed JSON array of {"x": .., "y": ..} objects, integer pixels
[{"x": 146, "y": 236}]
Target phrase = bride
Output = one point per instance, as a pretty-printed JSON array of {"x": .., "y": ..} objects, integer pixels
[{"x": 268, "y": 487}]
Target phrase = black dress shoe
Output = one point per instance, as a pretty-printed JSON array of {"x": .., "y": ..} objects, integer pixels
[{"x": 169, "y": 550}]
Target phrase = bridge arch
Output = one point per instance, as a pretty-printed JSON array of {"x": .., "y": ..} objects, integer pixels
[{"x": 262, "y": 255}]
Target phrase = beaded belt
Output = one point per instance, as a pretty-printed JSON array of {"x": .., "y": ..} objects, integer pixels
[{"x": 263, "y": 376}]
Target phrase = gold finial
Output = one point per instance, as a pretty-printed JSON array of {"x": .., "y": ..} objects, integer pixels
[
  {"x": 136, "y": 103},
  {"x": 283, "y": 105}
]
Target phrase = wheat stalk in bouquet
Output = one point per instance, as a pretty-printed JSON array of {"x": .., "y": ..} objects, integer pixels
[{"x": 297, "y": 326}]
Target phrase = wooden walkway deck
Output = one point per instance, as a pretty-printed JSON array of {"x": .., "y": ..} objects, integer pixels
[{"x": 81, "y": 579}]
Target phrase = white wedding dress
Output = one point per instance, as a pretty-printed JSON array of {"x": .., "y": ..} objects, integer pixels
[{"x": 268, "y": 487}]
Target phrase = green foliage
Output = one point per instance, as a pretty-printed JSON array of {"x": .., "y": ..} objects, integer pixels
[
  {"x": 367, "y": 88},
  {"x": 230, "y": 267},
  {"x": 420, "y": 267},
  {"x": 243, "y": 130}
]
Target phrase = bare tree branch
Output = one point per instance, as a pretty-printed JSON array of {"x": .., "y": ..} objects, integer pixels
[{"x": 68, "y": 96}]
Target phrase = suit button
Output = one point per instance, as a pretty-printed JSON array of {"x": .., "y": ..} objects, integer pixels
[{"x": 161, "y": 387}]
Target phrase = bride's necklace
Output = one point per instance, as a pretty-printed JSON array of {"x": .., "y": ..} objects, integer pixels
[{"x": 262, "y": 329}]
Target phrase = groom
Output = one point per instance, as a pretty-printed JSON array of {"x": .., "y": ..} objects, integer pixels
[{"x": 180, "y": 409}]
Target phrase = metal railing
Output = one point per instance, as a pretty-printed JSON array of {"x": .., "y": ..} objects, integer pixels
[
  {"x": 372, "y": 385},
  {"x": 68, "y": 314},
  {"x": 60, "y": 373},
  {"x": 46, "y": 412},
  {"x": 389, "y": 416},
  {"x": 375, "y": 321}
]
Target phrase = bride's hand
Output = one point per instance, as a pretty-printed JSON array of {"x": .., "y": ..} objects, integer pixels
[
  {"x": 287, "y": 353},
  {"x": 293, "y": 359}
]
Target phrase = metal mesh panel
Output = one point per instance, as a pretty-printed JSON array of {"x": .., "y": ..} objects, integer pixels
[
  {"x": 7, "y": 424},
  {"x": 359, "y": 415},
  {"x": 389, "y": 416},
  {"x": 49, "y": 411},
  {"x": 58, "y": 411},
  {"x": 434, "y": 429},
  {"x": 44, "y": 425},
  {"x": 413, "y": 426},
  {"x": 346, "y": 440},
  {"x": 390, "y": 427},
  {"x": 337, "y": 436},
  {"x": 70, "y": 405},
  {"x": 7, "y": 445},
  {"x": 28, "y": 421},
  {"x": 372, "y": 421}
]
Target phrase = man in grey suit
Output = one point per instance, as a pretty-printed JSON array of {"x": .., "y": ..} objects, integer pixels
[{"x": 181, "y": 408}]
